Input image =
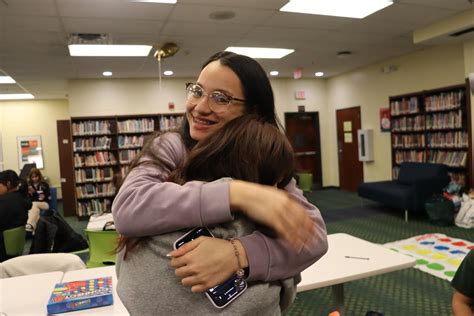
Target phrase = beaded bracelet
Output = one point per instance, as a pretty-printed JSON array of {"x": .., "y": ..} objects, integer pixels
[{"x": 240, "y": 273}]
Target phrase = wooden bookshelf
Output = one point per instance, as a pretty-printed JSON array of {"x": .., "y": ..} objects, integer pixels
[
  {"x": 433, "y": 126},
  {"x": 99, "y": 153}
]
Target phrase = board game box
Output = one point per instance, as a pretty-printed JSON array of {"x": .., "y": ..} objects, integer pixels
[{"x": 77, "y": 295}]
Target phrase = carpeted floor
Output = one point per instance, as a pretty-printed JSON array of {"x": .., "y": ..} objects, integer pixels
[{"x": 405, "y": 292}]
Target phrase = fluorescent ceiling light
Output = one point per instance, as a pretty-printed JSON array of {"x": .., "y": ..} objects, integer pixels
[
  {"x": 16, "y": 96},
  {"x": 319, "y": 74},
  {"x": 344, "y": 8},
  {"x": 274, "y": 73},
  {"x": 259, "y": 52},
  {"x": 6, "y": 80},
  {"x": 168, "y": 72},
  {"x": 156, "y": 1},
  {"x": 107, "y": 73},
  {"x": 109, "y": 50}
]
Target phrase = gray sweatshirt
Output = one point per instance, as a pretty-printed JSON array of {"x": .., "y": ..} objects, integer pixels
[
  {"x": 147, "y": 284},
  {"x": 146, "y": 205}
]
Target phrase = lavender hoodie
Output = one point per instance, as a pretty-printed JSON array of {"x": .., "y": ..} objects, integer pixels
[{"x": 146, "y": 205}]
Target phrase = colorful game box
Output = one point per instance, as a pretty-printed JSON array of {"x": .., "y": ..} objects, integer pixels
[{"x": 76, "y": 295}]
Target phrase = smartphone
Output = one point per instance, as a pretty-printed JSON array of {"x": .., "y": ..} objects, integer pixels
[{"x": 223, "y": 294}]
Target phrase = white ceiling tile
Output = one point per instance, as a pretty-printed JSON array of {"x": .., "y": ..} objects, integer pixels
[
  {"x": 114, "y": 9},
  {"x": 309, "y": 21},
  {"x": 214, "y": 30},
  {"x": 28, "y": 7},
  {"x": 201, "y": 13}
]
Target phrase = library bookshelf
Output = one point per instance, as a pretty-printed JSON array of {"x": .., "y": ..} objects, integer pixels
[
  {"x": 433, "y": 126},
  {"x": 95, "y": 154}
]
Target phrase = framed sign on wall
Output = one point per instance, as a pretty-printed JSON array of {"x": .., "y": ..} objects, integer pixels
[{"x": 30, "y": 150}]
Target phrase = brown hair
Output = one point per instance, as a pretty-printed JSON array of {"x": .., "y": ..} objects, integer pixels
[
  {"x": 246, "y": 148},
  {"x": 33, "y": 172}
]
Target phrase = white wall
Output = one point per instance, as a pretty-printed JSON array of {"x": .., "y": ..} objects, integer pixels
[
  {"x": 125, "y": 96},
  {"x": 32, "y": 117}
]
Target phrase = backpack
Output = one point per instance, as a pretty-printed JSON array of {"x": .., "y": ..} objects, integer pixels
[{"x": 440, "y": 210}]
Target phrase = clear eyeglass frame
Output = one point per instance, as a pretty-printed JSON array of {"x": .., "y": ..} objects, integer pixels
[{"x": 218, "y": 101}]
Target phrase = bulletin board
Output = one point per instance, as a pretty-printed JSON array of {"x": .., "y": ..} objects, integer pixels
[{"x": 30, "y": 150}]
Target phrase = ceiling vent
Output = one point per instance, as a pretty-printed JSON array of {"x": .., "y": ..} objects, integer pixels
[{"x": 89, "y": 38}]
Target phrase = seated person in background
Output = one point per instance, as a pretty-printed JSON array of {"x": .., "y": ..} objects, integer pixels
[
  {"x": 38, "y": 190},
  {"x": 14, "y": 205},
  {"x": 463, "y": 283},
  {"x": 247, "y": 149}
]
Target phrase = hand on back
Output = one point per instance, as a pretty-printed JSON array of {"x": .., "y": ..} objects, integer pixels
[{"x": 273, "y": 208}]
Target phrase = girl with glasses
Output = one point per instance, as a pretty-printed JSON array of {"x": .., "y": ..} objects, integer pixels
[
  {"x": 239, "y": 150},
  {"x": 148, "y": 205}
]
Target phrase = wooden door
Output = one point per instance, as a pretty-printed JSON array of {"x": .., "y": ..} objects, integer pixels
[
  {"x": 66, "y": 167},
  {"x": 350, "y": 168},
  {"x": 302, "y": 130}
]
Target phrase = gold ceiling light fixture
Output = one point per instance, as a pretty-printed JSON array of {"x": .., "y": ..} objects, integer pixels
[{"x": 167, "y": 50}]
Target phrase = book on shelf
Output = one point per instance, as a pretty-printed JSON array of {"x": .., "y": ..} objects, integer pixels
[
  {"x": 78, "y": 295},
  {"x": 91, "y": 128}
]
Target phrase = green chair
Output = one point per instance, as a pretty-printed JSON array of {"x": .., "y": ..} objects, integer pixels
[
  {"x": 14, "y": 240},
  {"x": 305, "y": 181},
  {"x": 102, "y": 246}
]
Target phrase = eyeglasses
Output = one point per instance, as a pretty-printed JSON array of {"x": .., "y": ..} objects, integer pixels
[{"x": 218, "y": 101}]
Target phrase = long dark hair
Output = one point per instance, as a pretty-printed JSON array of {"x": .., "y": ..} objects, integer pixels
[{"x": 246, "y": 148}]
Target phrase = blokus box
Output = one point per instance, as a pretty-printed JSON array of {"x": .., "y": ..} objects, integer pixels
[{"x": 77, "y": 295}]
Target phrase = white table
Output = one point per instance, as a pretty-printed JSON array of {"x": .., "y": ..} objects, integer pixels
[
  {"x": 97, "y": 222},
  {"x": 27, "y": 295},
  {"x": 117, "y": 308},
  {"x": 348, "y": 259}
]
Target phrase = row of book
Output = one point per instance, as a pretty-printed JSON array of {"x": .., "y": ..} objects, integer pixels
[
  {"x": 93, "y": 206},
  {"x": 408, "y": 141},
  {"x": 100, "y": 158},
  {"x": 170, "y": 122},
  {"x": 126, "y": 156},
  {"x": 457, "y": 139},
  {"x": 404, "y": 106},
  {"x": 409, "y": 156},
  {"x": 94, "y": 174},
  {"x": 131, "y": 141},
  {"x": 444, "y": 101},
  {"x": 408, "y": 123},
  {"x": 95, "y": 190},
  {"x": 145, "y": 125},
  {"x": 450, "y": 158},
  {"x": 92, "y": 143},
  {"x": 91, "y": 128},
  {"x": 444, "y": 120}
]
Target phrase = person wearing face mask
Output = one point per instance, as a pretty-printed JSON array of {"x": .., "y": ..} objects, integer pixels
[
  {"x": 229, "y": 86},
  {"x": 14, "y": 205}
]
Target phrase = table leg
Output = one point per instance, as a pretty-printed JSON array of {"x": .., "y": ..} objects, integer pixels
[{"x": 338, "y": 294}]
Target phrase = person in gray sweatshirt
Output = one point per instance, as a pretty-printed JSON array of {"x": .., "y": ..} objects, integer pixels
[
  {"x": 240, "y": 150},
  {"x": 229, "y": 86}
]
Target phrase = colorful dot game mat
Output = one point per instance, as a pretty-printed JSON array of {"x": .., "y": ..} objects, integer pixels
[{"x": 436, "y": 254}]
